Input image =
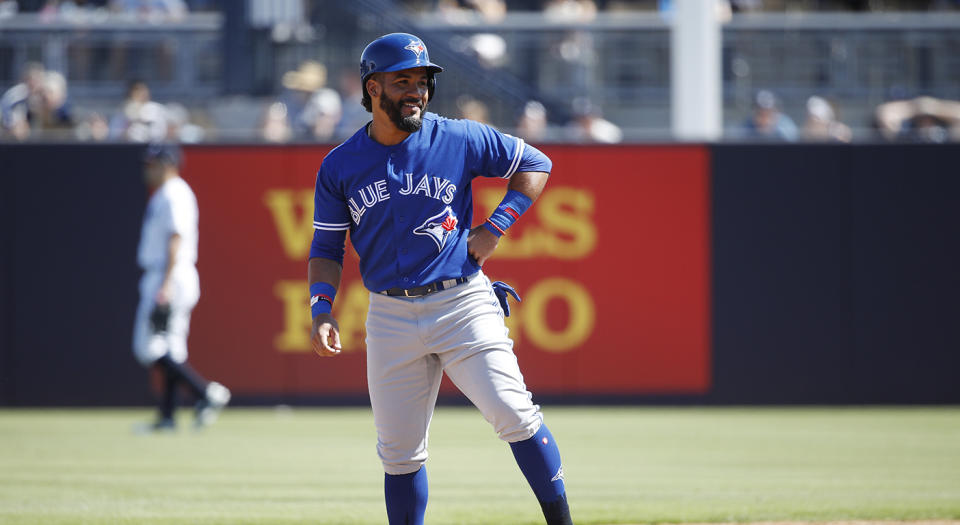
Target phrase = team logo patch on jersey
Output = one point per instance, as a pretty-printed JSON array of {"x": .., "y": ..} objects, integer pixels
[
  {"x": 439, "y": 227},
  {"x": 417, "y": 47}
]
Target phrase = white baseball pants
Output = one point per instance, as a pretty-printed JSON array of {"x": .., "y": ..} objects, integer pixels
[
  {"x": 412, "y": 341},
  {"x": 149, "y": 346}
]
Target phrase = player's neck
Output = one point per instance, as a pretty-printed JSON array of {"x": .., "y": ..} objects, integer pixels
[
  {"x": 160, "y": 181},
  {"x": 167, "y": 177},
  {"x": 385, "y": 132}
]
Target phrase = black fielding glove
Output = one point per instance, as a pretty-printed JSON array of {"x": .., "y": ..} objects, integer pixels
[{"x": 159, "y": 317}]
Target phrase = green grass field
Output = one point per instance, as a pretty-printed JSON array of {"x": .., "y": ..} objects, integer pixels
[{"x": 623, "y": 465}]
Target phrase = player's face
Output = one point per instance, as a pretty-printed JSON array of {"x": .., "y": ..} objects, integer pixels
[
  {"x": 153, "y": 173},
  {"x": 404, "y": 97}
]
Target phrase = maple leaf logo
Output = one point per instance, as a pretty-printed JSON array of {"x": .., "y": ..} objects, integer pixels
[
  {"x": 449, "y": 224},
  {"x": 439, "y": 227}
]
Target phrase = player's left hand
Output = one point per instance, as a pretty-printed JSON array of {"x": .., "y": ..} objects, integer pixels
[
  {"x": 326, "y": 336},
  {"x": 481, "y": 244},
  {"x": 164, "y": 293}
]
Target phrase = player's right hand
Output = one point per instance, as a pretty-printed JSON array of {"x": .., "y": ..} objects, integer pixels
[
  {"x": 481, "y": 244},
  {"x": 326, "y": 336}
]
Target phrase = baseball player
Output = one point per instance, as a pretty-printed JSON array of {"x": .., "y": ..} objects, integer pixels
[
  {"x": 170, "y": 288},
  {"x": 401, "y": 187}
]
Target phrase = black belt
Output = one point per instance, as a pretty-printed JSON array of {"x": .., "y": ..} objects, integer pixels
[{"x": 426, "y": 289}]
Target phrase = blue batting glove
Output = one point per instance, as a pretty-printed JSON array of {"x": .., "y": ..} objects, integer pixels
[{"x": 501, "y": 289}]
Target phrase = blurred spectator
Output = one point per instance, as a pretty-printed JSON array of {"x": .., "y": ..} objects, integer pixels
[
  {"x": 821, "y": 124},
  {"x": 151, "y": 10},
  {"x": 922, "y": 119},
  {"x": 489, "y": 49},
  {"x": 589, "y": 126},
  {"x": 532, "y": 125},
  {"x": 286, "y": 20},
  {"x": 70, "y": 9},
  {"x": 140, "y": 119},
  {"x": 274, "y": 126},
  {"x": 92, "y": 127},
  {"x": 179, "y": 127},
  {"x": 767, "y": 121},
  {"x": 38, "y": 103},
  {"x": 465, "y": 11},
  {"x": 472, "y": 109},
  {"x": 351, "y": 92},
  {"x": 313, "y": 109},
  {"x": 54, "y": 113},
  {"x": 570, "y": 10},
  {"x": 19, "y": 103}
]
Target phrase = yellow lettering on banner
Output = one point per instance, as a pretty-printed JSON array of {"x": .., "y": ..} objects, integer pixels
[
  {"x": 528, "y": 320},
  {"x": 567, "y": 214},
  {"x": 534, "y": 319},
  {"x": 350, "y": 311},
  {"x": 295, "y": 336},
  {"x": 292, "y": 212},
  {"x": 565, "y": 228},
  {"x": 353, "y": 302}
]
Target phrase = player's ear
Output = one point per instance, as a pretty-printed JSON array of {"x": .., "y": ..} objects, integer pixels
[{"x": 373, "y": 85}]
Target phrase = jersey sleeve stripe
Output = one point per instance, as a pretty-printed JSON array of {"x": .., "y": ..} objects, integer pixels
[
  {"x": 331, "y": 226},
  {"x": 516, "y": 159}
]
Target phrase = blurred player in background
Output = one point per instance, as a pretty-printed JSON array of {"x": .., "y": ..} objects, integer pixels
[
  {"x": 401, "y": 185},
  {"x": 170, "y": 288}
]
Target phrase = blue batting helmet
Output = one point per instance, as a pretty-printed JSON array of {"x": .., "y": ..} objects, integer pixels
[
  {"x": 163, "y": 152},
  {"x": 394, "y": 52}
]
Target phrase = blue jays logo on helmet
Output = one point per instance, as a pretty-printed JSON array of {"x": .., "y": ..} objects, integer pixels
[
  {"x": 394, "y": 52},
  {"x": 439, "y": 227},
  {"x": 417, "y": 47}
]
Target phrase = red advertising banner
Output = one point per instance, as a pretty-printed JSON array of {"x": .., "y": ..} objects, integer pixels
[{"x": 612, "y": 262}]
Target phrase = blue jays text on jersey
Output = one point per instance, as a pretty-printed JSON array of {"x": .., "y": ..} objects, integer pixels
[{"x": 408, "y": 206}]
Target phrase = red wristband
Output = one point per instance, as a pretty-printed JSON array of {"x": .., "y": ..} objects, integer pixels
[{"x": 490, "y": 223}]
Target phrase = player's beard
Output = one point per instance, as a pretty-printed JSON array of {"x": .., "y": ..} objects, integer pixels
[{"x": 409, "y": 124}]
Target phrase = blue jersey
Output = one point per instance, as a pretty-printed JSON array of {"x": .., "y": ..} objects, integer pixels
[{"x": 408, "y": 207}]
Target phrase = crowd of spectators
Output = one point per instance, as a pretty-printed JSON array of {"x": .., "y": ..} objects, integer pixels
[
  {"x": 38, "y": 107},
  {"x": 38, "y": 103},
  {"x": 919, "y": 119},
  {"x": 69, "y": 10},
  {"x": 308, "y": 110},
  {"x": 315, "y": 105},
  {"x": 455, "y": 11},
  {"x": 495, "y": 10}
]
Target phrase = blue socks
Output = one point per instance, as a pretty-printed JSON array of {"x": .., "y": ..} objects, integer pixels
[
  {"x": 406, "y": 496},
  {"x": 539, "y": 460}
]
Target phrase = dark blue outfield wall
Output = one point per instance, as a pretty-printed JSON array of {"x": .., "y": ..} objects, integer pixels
[
  {"x": 71, "y": 222},
  {"x": 836, "y": 274}
]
